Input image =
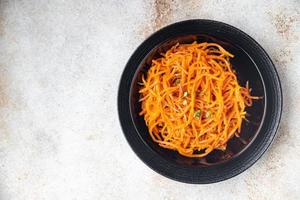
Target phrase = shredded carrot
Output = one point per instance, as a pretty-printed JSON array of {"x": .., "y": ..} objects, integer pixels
[{"x": 191, "y": 99}]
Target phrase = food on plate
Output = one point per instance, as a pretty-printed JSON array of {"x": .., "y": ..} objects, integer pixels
[{"x": 191, "y": 99}]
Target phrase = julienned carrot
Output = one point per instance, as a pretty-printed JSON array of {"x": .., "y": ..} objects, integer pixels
[{"x": 191, "y": 99}]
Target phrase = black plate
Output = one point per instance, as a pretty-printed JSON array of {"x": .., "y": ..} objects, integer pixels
[{"x": 251, "y": 63}]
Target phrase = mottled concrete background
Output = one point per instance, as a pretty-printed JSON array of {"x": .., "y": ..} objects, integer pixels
[{"x": 60, "y": 63}]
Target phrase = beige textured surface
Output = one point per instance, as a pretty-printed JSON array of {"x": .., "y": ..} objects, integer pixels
[{"x": 60, "y": 63}]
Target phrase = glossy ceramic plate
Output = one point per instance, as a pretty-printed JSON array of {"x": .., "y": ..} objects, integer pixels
[{"x": 251, "y": 63}]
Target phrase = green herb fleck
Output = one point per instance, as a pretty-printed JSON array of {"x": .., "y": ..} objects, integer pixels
[
  {"x": 197, "y": 114},
  {"x": 177, "y": 81}
]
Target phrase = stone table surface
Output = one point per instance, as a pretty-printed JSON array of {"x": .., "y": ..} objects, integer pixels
[{"x": 60, "y": 64}]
